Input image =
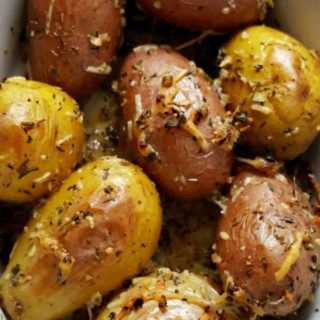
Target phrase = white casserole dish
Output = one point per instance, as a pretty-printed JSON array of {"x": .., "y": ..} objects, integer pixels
[{"x": 297, "y": 17}]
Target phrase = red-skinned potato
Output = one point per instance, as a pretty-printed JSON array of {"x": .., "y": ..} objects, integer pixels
[
  {"x": 267, "y": 245},
  {"x": 176, "y": 123},
  {"x": 218, "y": 15},
  {"x": 97, "y": 231},
  {"x": 71, "y": 43}
]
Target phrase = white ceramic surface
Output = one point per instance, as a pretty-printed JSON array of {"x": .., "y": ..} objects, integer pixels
[
  {"x": 11, "y": 22},
  {"x": 300, "y": 18}
]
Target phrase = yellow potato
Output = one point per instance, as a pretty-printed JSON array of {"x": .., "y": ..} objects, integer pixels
[
  {"x": 100, "y": 229},
  {"x": 276, "y": 80},
  {"x": 167, "y": 295},
  {"x": 41, "y": 138}
]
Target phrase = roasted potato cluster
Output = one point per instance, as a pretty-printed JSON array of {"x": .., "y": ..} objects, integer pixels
[
  {"x": 41, "y": 138},
  {"x": 97, "y": 231},
  {"x": 240, "y": 233}
]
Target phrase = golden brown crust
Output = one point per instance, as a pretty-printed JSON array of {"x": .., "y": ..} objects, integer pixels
[
  {"x": 71, "y": 44},
  {"x": 266, "y": 243},
  {"x": 276, "y": 81},
  {"x": 41, "y": 138},
  {"x": 219, "y": 16},
  {"x": 99, "y": 230},
  {"x": 178, "y": 125}
]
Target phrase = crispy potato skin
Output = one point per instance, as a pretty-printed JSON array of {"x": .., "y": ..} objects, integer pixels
[
  {"x": 218, "y": 16},
  {"x": 175, "y": 158},
  {"x": 100, "y": 229},
  {"x": 261, "y": 223},
  {"x": 165, "y": 295},
  {"x": 41, "y": 138},
  {"x": 279, "y": 88},
  {"x": 60, "y": 50}
]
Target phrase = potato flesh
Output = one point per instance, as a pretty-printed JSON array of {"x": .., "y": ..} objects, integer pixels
[
  {"x": 100, "y": 229},
  {"x": 41, "y": 138},
  {"x": 276, "y": 80}
]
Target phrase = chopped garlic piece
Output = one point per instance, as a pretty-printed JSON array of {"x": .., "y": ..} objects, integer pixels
[
  {"x": 91, "y": 221},
  {"x": 99, "y": 40},
  {"x": 224, "y": 235},
  {"x": 43, "y": 178},
  {"x": 261, "y": 108},
  {"x": 103, "y": 69}
]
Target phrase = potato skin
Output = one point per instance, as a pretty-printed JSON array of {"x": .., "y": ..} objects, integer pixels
[
  {"x": 263, "y": 219},
  {"x": 41, "y": 138},
  {"x": 68, "y": 37},
  {"x": 100, "y": 229},
  {"x": 276, "y": 80},
  {"x": 165, "y": 295},
  {"x": 163, "y": 145},
  {"x": 219, "y": 16}
]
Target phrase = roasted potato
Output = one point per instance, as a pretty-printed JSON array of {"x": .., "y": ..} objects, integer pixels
[
  {"x": 41, "y": 138},
  {"x": 219, "y": 16},
  {"x": 268, "y": 244},
  {"x": 176, "y": 123},
  {"x": 99, "y": 230},
  {"x": 165, "y": 295},
  {"x": 71, "y": 43},
  {"x": 276, "y": 81}
]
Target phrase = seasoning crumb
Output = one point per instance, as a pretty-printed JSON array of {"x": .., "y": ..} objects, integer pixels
[
  {"x": 226, "y": 10},
  {"x": 99, "y": 40},
  {"x": 32, "y": 251},
  {"x": 224, "y": 235},
  {"x": 216, "y": 258},
  {"x": 109, "y": 250},
  {"x": 88, "y": 277},
  {"x": 103, "y": 69},
  {"x": 90, "y": 219},
  {"x": 157, "y": 4},
  {"x": 95, "y": 300}
]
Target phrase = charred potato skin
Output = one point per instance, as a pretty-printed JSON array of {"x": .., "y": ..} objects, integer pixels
[
  {"x": 276, "y": 81},
  {"x": 67, "y": 39},
  {"x": 99, "y": 230},
  {"x": 175, "y": 158},
  {"x": 41, "y": 138},
  {"x": 219, "y": 16},
  {"x": 263, "y": 219}
]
